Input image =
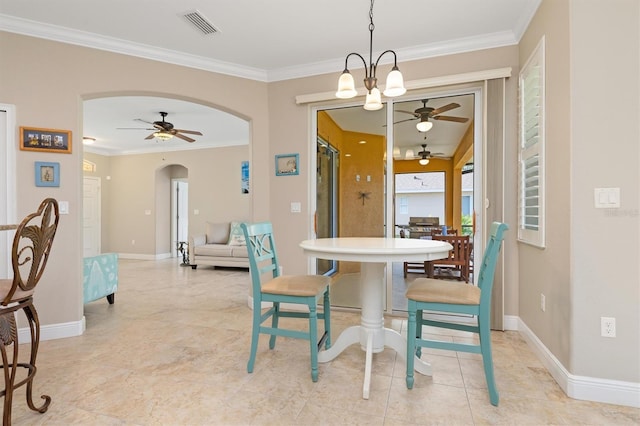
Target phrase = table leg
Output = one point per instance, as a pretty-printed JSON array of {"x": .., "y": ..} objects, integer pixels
[{"x": 371, "y": 333}]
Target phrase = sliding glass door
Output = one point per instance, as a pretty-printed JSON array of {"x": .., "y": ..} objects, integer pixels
[{"x": 326, "y": 225}]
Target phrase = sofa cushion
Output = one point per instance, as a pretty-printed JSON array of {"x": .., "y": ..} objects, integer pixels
[
  {"x": 240, "y": 251},
  {"x": 236, "y": 236},
  {"x": 217, "y": 233},
  {"x": 216, "y": 250}
]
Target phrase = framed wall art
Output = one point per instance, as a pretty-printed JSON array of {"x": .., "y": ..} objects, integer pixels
[
  {"x": 244, "y": 170},
  {"x": 47, "y": 174},
  {"x": 45, "y": 140},
  {"x": 287, "y": 164}
]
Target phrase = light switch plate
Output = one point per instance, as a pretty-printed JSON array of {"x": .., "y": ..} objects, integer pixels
[
  {"x": 63, "y": 207},
  {"x": 606, "y": 198}
]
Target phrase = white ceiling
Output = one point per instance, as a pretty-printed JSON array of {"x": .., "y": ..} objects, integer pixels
[
  {"x": 261, "y": 40},
  {"x": 113, "y": 123}
]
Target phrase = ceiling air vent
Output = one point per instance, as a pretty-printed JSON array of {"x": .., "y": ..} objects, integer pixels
[{"x": 200, "y": 22}]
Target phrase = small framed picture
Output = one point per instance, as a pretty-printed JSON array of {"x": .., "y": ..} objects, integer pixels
[
  {"x": 287, "y": 164},
  {"x": 45, "y": 140},
  {"x": 47, "y": 174}
]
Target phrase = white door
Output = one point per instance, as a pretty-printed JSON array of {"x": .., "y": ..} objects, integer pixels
[
  {"x": 7, "y": 185},
  {"x": 91, "y": 216}
]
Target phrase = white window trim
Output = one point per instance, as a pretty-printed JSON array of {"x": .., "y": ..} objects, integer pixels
[{"x": 535, "y": 63}]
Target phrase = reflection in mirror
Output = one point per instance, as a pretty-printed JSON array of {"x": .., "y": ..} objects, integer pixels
[
  {"x": 357, "y": 138},
  {"x": 433, "y": 172}
]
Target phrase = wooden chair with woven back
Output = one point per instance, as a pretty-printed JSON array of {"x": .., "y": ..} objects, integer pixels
[
  {"x": 29, "y": 255},
  {"x": 271, "y": 287}
]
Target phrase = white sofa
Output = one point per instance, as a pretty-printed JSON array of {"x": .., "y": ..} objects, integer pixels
[{"x": 222, "y": 244}]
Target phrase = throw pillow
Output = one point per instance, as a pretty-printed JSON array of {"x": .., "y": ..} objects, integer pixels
[
  {"x": 217, "y": 233},
  {"x": 236, "y": 236}
]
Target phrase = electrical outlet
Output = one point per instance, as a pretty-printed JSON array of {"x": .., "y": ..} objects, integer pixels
[
  {"x": 543, "y": 302},
  {"x": 607, "y": 327}
]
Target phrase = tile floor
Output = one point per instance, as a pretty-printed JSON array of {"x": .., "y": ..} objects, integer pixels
[{"x": 173, "y": 351}]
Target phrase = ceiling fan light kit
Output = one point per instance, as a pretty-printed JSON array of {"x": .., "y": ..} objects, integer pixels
[
  {"x": 163, "y": 136},
  {"x": 424, "y": 125},
  {"x": 423, "y": 161},
  {"x": 395, "y": 82}
]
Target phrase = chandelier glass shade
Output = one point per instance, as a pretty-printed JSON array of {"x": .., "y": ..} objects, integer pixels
[{"x": 395, "y": 81}]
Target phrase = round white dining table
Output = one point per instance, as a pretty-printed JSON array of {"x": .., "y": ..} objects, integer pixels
[{"x": 374, "y": 253}]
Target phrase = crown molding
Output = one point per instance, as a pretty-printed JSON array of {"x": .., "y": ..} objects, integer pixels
[
  {"x": 110, "y": 44},
  {"x": 115, "y": 45}
]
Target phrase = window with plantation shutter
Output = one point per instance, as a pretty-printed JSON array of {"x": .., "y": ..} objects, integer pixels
[{"x": 531, "y": 191}]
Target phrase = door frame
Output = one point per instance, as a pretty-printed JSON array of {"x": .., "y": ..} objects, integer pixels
[
  {"x": 8, "y": 214},
  {"x": 176, "y": 183}
]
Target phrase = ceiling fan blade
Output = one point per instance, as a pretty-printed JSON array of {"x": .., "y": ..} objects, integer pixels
[
  {"x": 183, "y": 137},
  {"x": 444, "y": 109},
  {"x": 402, "y": 121},
  {"x": 409, "y": 112},
  {"x": 448, "y": 118},
  {"x": 189, "y": 132},
  {"x": 151, "y": 136},
  {"x": 132, "y": 128},
  {"x": 144, "y": 121}
]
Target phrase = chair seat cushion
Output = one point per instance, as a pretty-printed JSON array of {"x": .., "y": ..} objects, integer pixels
[
  {"x": 297, "y": 285},
  {"x": 5, "y": 287},
  {"x": 443, "y": 291}
]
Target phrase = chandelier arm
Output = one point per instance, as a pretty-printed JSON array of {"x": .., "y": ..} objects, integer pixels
[
  {"x": 395, "y": 59},
  {"x": 359, "y": 56}
]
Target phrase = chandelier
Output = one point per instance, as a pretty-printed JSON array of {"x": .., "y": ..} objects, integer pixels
[{"x": 395, "y": 83}]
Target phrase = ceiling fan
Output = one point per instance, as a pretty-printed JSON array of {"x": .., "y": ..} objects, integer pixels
[
  {"x": 424, "y": 113},
  {"x": 164, "y": 130},
  {"x": 424, "y": 156}
]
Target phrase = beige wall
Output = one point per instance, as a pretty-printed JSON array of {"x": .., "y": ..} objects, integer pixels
[
  {"x": 547, "y": 271},
  {"x": 50, "y": 95},
  {"x": 605, "y": 242},
  {"x": 142, "y": 182},
  {"x": 590, "y": 266}
]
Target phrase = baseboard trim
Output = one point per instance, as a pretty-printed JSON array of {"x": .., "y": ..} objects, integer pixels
[
  {"x": 582, "y": 387},
  {"x": 54, "y": 331},
  {"x": 140, "y": 256}
]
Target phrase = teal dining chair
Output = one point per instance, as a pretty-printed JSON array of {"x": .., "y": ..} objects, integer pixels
[
  {"x": 454, "y": 297},
  {"x": 269, "y": 286}
]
